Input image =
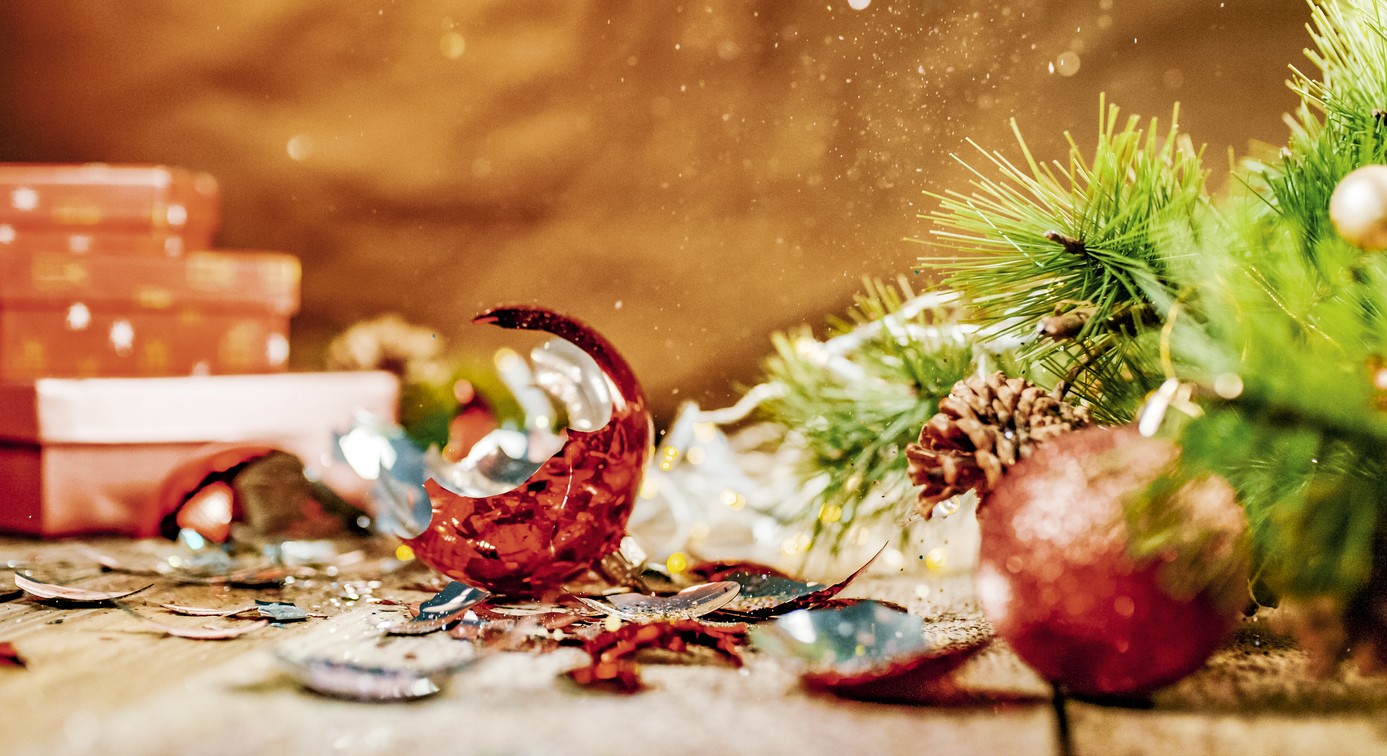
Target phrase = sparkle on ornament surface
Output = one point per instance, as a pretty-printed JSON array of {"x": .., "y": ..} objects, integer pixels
[
  {"x": 6, "y": 233},
  {"x": 859, "y": 4},
  {"x": 1380, "y": 379},
  {"x": 122, "y": 337},
  {"x": 994, "y": 593},
  {"x": 78, "y": 317},
  {"x": 24, "y": 198},
  {"x": 177, "y": 215},
  {"x": 1228, "y": 385},
  {"x": 1358, "y": 207}
]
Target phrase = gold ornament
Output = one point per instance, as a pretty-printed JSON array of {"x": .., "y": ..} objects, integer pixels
[{"x": 1358, "y": 208}]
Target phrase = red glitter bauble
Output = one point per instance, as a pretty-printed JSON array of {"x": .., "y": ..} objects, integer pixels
[
  {"x": 570, "y": 513},
  {"x": 1057, "y": 581}
]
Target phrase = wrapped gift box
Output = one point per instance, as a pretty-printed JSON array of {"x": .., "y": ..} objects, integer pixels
[
  {"x": 111, "y": 315},
  {"x": 116, "y": 199},
  {"x": 87, "y": 241},
  {"x": 87, "y": 456}
]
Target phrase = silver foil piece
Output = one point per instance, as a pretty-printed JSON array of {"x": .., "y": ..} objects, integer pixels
[{"x": 691, "y": 602}]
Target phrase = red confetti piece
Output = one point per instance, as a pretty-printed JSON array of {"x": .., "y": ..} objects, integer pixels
[
  {"x": 9, "y": 657},
  {"x": 612, "y": 653}
]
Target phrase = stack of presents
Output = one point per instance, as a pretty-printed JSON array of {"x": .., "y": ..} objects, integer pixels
[{"x": 128, "y": 344}]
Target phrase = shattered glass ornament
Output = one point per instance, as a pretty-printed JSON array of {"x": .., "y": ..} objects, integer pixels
[
  {"x": 193, "y": 633},
  {"x": 691, "y": 602},
  {"x": 765, "y": 592},
  {"x": 1057, "y": 581},
  {"x": 249, "y": 492},
  {"x": 280, "y": 611},
  {"x": 360, "y": 682},
  {"x": 446, "y": 607},
  {"x": 765, "y": 595},
  {"x": 51, "y": 592},
  {"x": 871, "y": 652},
  {"x": 380, "y": 451},
  {"x": 526, "y": 536}
]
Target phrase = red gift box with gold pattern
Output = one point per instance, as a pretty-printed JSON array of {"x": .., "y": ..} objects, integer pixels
[
  {"x": 67, "y": 315},
  {"x": 88, "y": 455},
  {"x": 106, "y": 208}
]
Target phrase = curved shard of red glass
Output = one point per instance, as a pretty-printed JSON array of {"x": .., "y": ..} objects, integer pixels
[{"x": 570, "y": 513}]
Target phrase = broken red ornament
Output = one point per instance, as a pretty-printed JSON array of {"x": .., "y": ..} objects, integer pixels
[
  {"x": 872, "y": 651},
  {"x": 1057, "y": 580},
  {"x": 570, "y": 513}
]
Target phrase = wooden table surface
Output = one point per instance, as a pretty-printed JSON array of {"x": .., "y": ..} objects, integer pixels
[{"x": 99, "y": 680}]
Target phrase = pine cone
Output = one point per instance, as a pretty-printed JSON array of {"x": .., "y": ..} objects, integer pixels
[{"x": 983, "y": 427}]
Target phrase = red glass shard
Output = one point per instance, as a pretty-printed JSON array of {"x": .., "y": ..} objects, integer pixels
[{"x": 570, "y": 514}]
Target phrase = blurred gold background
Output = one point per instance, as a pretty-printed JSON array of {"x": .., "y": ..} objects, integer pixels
[{"x": 687, "y": 177}]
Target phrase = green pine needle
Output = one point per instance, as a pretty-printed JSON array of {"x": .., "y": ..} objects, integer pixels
[{"x": 1087, "y": 234}]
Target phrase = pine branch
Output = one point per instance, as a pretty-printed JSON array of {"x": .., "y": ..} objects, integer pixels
[
  {"x": 1302, "y": 438},
  {"x": 855, "y": 402},
  {"x": 1079, "y": 242},
  {"x": 1339, "y": 126}
]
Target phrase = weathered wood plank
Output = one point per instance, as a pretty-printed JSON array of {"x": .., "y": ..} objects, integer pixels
[{"x": 100, "y": 682}]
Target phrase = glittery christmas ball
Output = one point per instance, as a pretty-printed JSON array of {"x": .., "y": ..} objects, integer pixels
[
  {"x": 1358, "y": 208},
  {"x": 1057, "y": 580},
  {"x": 570, "y": 513}
]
